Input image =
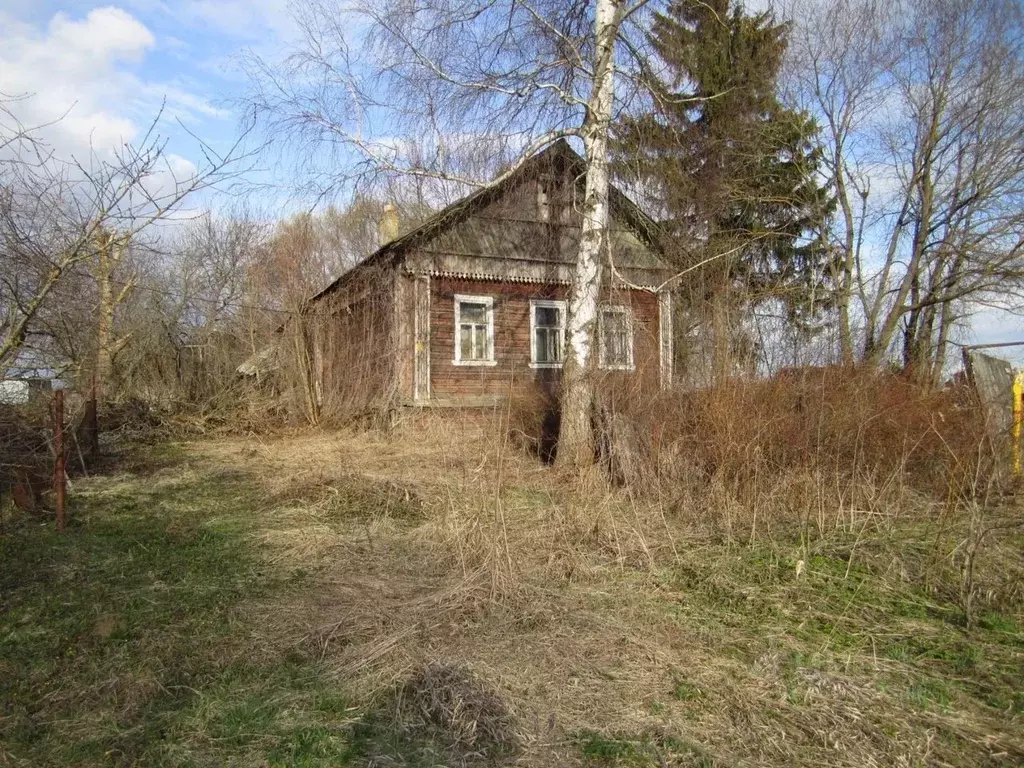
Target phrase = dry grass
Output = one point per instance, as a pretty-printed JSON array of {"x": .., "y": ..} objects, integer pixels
[
  {"x": 433, "y": 595},
  {"x": 642, "y": 632},
  {"x": 446, "y": 712}
]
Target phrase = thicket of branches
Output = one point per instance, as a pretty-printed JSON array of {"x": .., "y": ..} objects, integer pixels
[
  {"x": 111, "y": 286},
  {"x": 837, "y": 182},
  {"x": 921, "y": 137}
]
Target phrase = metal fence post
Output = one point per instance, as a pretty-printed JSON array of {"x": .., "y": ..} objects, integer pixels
[{"x": 1018, "y": 419}]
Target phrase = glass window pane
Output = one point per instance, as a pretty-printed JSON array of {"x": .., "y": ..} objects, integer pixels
[
  {"x": 543, "y": 346},
  {"x": 466, "y": 342},
  {"x": 615, "y": 338},
  {"x": 480, "y": 343},
  {"x": 472, "y": 313},
  {"x": 619, "y": 354},
  {"x": 548, "y": 345},
  {"x": 547, "y": 316}
]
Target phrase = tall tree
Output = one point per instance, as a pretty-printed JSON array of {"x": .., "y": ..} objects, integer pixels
[
  {"x": 576, "y": 438},
  {"x": 110, "y": 255},
  {"x": 734, "y": 172},
  {"x": 920, "y": 100},
  {"x": 54, "y": 216},
  {"x": 418, "y": 89}
]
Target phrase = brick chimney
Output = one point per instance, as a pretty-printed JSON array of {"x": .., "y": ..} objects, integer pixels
[{"x": 389, "y": 224}]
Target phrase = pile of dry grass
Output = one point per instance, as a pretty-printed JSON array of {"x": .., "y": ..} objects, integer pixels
[
  {"x": 26, "y": 454},
  {"x": 810, "y": 447},
  {"x": 450, "y": 706},
  {"x": 817, "y": 456},
  {"x": 846, "y": 422}
]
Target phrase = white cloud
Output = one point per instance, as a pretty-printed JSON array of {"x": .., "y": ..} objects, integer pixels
[
  {"x": 80, "y": 75},
  {"x": 257, "y": 21}
]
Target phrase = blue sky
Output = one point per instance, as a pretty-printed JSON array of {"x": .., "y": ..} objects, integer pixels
[{"x": 105, "y": 69}]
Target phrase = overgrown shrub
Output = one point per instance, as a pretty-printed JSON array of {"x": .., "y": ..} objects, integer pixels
[{"x": 843, "y": 423}]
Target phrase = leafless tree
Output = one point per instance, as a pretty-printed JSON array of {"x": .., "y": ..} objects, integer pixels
[
  {"x": 63, "y": 220},
  {"x": 920, "y": 104},
  {"x": 424, "y": 90},
  {"x": 189, "y": 315}
]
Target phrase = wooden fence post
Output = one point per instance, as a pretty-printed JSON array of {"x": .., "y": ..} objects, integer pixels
[{"x": 59, "y": 479}]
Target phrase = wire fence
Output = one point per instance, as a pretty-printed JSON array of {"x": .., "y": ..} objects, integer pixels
[{"x": 44, "y": 438}]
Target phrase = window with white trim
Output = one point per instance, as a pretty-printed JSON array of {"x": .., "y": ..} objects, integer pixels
[
  {"x": 547, "y": 333},
  {"x": 474, "y": 330},
  {"x": 615, "y": 333}
]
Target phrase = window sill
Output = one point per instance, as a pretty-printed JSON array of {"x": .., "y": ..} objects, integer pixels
[
  {"x": 618, "y": 367},
  {"x": 545, "y": 365},
  {"x": 475, "y": 363}
]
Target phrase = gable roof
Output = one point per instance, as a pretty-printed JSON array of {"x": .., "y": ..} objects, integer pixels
[{"x": 501, "y": 235}]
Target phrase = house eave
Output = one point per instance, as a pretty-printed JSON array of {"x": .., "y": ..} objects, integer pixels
[{"x": 525, "y": 279}]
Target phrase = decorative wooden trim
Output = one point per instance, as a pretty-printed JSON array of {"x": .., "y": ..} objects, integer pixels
[
  {"x": 318, "y": 364},
  {"x": 421, "y": 339},
  {"x": 401, "y": 341},
  {"x": 665, "y": 338},
  {"x": 534, "y": 271}
]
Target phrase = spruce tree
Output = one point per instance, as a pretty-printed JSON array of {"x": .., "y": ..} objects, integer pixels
[{"x": 734, "y": 170}]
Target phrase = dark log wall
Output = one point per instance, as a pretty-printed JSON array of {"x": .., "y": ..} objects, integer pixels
[
  {"x": 355, "y": 344},
  {"x": 387, "y": 334},
  {"x": 512, "y": 372}
]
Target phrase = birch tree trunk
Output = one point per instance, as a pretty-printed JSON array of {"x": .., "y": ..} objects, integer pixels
[{"x": 576, "y": 435}]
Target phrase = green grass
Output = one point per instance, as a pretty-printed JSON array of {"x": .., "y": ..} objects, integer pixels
[
  {"x": 130, "y": 638},
  {"x": 851, "y": 621},
  {"x": 640, "y": 751},
  {"x": 143, "y": 636}
]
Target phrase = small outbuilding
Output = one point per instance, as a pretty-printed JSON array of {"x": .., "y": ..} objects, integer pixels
[{"x": 21, "y": 390}]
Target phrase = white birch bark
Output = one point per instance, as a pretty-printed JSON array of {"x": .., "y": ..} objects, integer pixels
[{"x": 576, "y": 438}]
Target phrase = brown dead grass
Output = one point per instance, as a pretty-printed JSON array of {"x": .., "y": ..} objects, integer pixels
[{"x": 568, "y": 603}]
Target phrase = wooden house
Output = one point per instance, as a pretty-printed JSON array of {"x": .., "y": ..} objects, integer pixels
[{"x": 470, "y": 307}]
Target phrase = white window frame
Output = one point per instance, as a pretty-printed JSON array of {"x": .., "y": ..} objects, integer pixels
[
  {"x": 602, "y": 353},
  {"x": 461, "y": 298},
  {"x": 559, "y": 305}
]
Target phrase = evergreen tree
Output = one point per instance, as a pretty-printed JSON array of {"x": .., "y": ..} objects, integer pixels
[{"x": 735, "y": 172}]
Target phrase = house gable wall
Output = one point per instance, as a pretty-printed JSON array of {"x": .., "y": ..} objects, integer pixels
[
  {"x": 531, "y": 234},
  {"x": 391, "y": 327}
]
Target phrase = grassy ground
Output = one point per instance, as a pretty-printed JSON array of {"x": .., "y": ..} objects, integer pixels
[
  {"x": 134, "y": 638},
  {"x": 342, "y": 599}
]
